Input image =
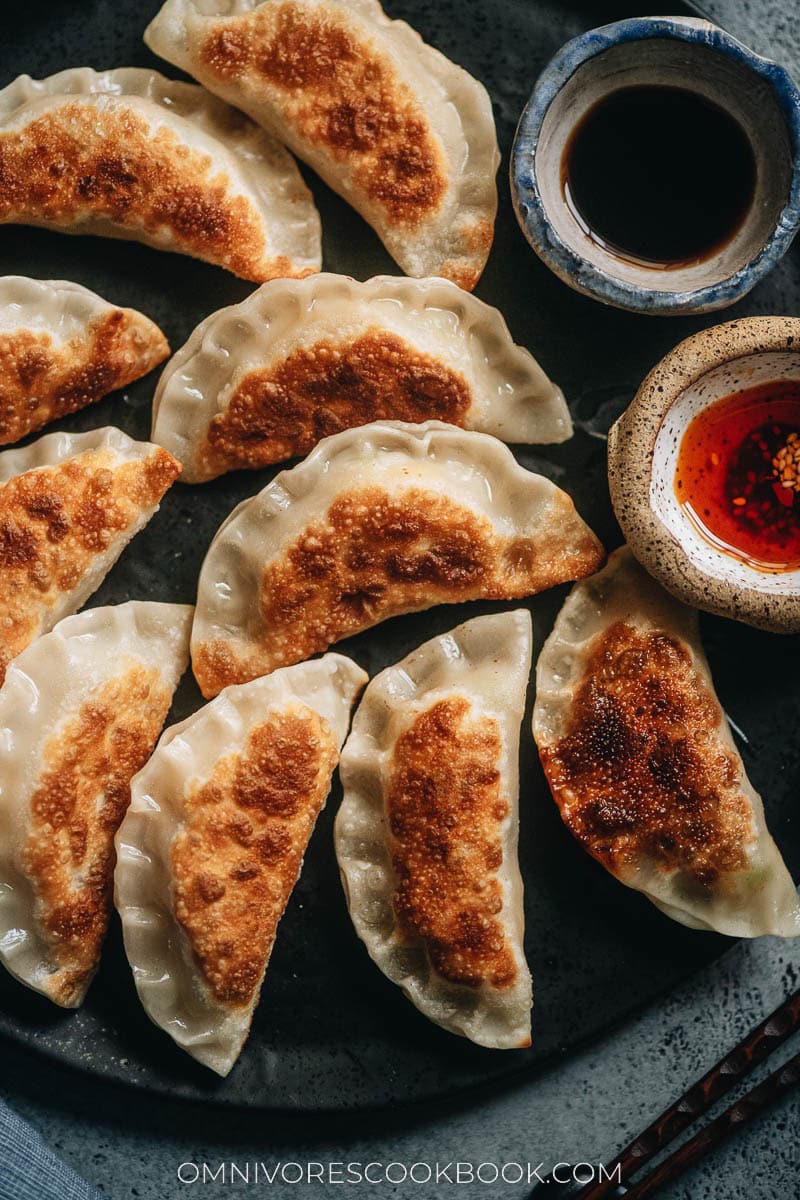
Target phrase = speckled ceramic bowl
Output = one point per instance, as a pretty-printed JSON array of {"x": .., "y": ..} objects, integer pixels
[
  {"x": 682, "y": 52},
  {"x": 642, "y": 453}
]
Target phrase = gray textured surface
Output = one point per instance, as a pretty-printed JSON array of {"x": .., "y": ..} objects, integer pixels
[
  {"x": 583, "y": 1109},
  {"x": 770, "y": 27}
]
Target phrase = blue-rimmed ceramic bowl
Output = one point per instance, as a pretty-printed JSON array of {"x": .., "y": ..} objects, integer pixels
[{"x": 681, "y": 52}]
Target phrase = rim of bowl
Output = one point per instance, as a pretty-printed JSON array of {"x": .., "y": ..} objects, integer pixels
[
  {"x": 652, "y": 543},
  {"x": 574, "y": 268}
]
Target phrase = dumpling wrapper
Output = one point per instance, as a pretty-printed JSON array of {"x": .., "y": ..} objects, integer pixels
[
  {"x": 80, "y": 712},
  {"x": 385, "y": 519},
  {"x": 69, "y": 505},
  {"x": 296, "y": 361},
  {"x": 642, "y": 764},
  {"x": 406, "y": 136},
  {"x": 129, "y": 154},
  {"x": 62, "y": 348},
  {"x": 426, "y": 836},
  {"x": 213, "y": 844}
]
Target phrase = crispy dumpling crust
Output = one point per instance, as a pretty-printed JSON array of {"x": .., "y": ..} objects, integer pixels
[
  {"x": 212, "y": 845},
  {"x": 127, "y": 153},
  {"x": 238, "y": 857},
  {"x": 445, "y": 808},
  {"x": 283, "y": 413},
  {"x": 80, "y": 711},
  {"x": 639, "y": 770},
  {"x": 152, "y": 183},
  {"x": 375, "y": 556},
  {"x": 403, "y": 134},
  {"x": 69, "y": 853},
  {"x": 642, "y": 764},
  {"x": 57, "y": 522},
  {"x": 43, "y": 377},
  {"x": 374, "y": 553},
  {"x": 344, "y": 98},
  {"x": 426, "y": 835},
  {"x": 298, "y": 360}
]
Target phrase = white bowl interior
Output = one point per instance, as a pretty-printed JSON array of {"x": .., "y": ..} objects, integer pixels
[
  {"x": 710, "y": 73},
  {"x": 730, "y": 377}
]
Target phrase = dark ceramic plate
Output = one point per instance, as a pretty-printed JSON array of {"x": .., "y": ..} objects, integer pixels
[{"x": 331, "y": 1032}]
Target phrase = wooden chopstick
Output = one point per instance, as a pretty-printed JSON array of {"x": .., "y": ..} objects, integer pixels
[
  {"x": 726, "y": 1074},
  {"x": 739, "y": 1113}
]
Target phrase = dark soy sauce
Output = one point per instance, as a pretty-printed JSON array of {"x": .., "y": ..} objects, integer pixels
[{"x": 658, "y": 175}]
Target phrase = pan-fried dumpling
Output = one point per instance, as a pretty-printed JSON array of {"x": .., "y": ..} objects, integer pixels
[
  {"x": 80, "y": 712},
  {"x": 426, "y": 836},
  {"x": 384, "y": 519},
  {"x": 213, "y": 843},
  {"x": 297, "y": 361},
  {"x": 129, "y": 154},
  {"x": 62, "y": 347},
  {"x": 642, "y": 764},
  {"x": 69, "y": 504},
  {"x": 402, "y": 133}
]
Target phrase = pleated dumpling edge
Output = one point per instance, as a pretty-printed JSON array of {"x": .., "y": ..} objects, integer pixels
[
  {"x": 80, "y": 711},
  {"x": 70, "y": 503},
  {"x": 402, "y": 133},
  {"x": 379, "y": 520},
  {"x": 426, "y": 836},
  {"x": 264, "y": 380},
  {"x": 213, "y": 843},
  {"x": 642, "y": 763},
  {"x": 154, "y": 160}
]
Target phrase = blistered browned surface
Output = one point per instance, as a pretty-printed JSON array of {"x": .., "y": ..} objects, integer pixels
[
  {"x": 246, "y": 830},
  {"x": 76, "y": 809},
  {"x": 283, "y": 411},
  {"x": 477, "y": 239},
  {"x": 41, "y": 380},
  {"x": 445, "y": 806},
  {"x": 54, "y": 520},
  {"x": 642, "y": 773},
  {"x": 81, "y": 161},
  {"x": 341, "y": 96},
  {"x": 374, "y": 556}
]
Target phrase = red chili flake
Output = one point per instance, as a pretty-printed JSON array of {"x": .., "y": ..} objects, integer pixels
[{"x": 747, "y": 505}]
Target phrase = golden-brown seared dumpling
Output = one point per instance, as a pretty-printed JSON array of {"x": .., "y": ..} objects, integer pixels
[
  {"x": 63, "y": 347},
  {"x": 426, "y": 836},
  {"x": 69, "y": 504},
  {"x": 80, "y": 712},
  {"x": 642, "y": 764},
  {"x": 129, "y": 154},
  {"x": 213, "y": 843},
  {"x": 384, "y": 519},
  {"x": 299, "y": 360},
  {"x": 407, "y": 137}
]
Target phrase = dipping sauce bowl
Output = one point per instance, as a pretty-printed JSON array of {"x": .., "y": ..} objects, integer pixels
[
  {"x": 747, "y": 373},
  {"x": 695, "y": 57}
]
